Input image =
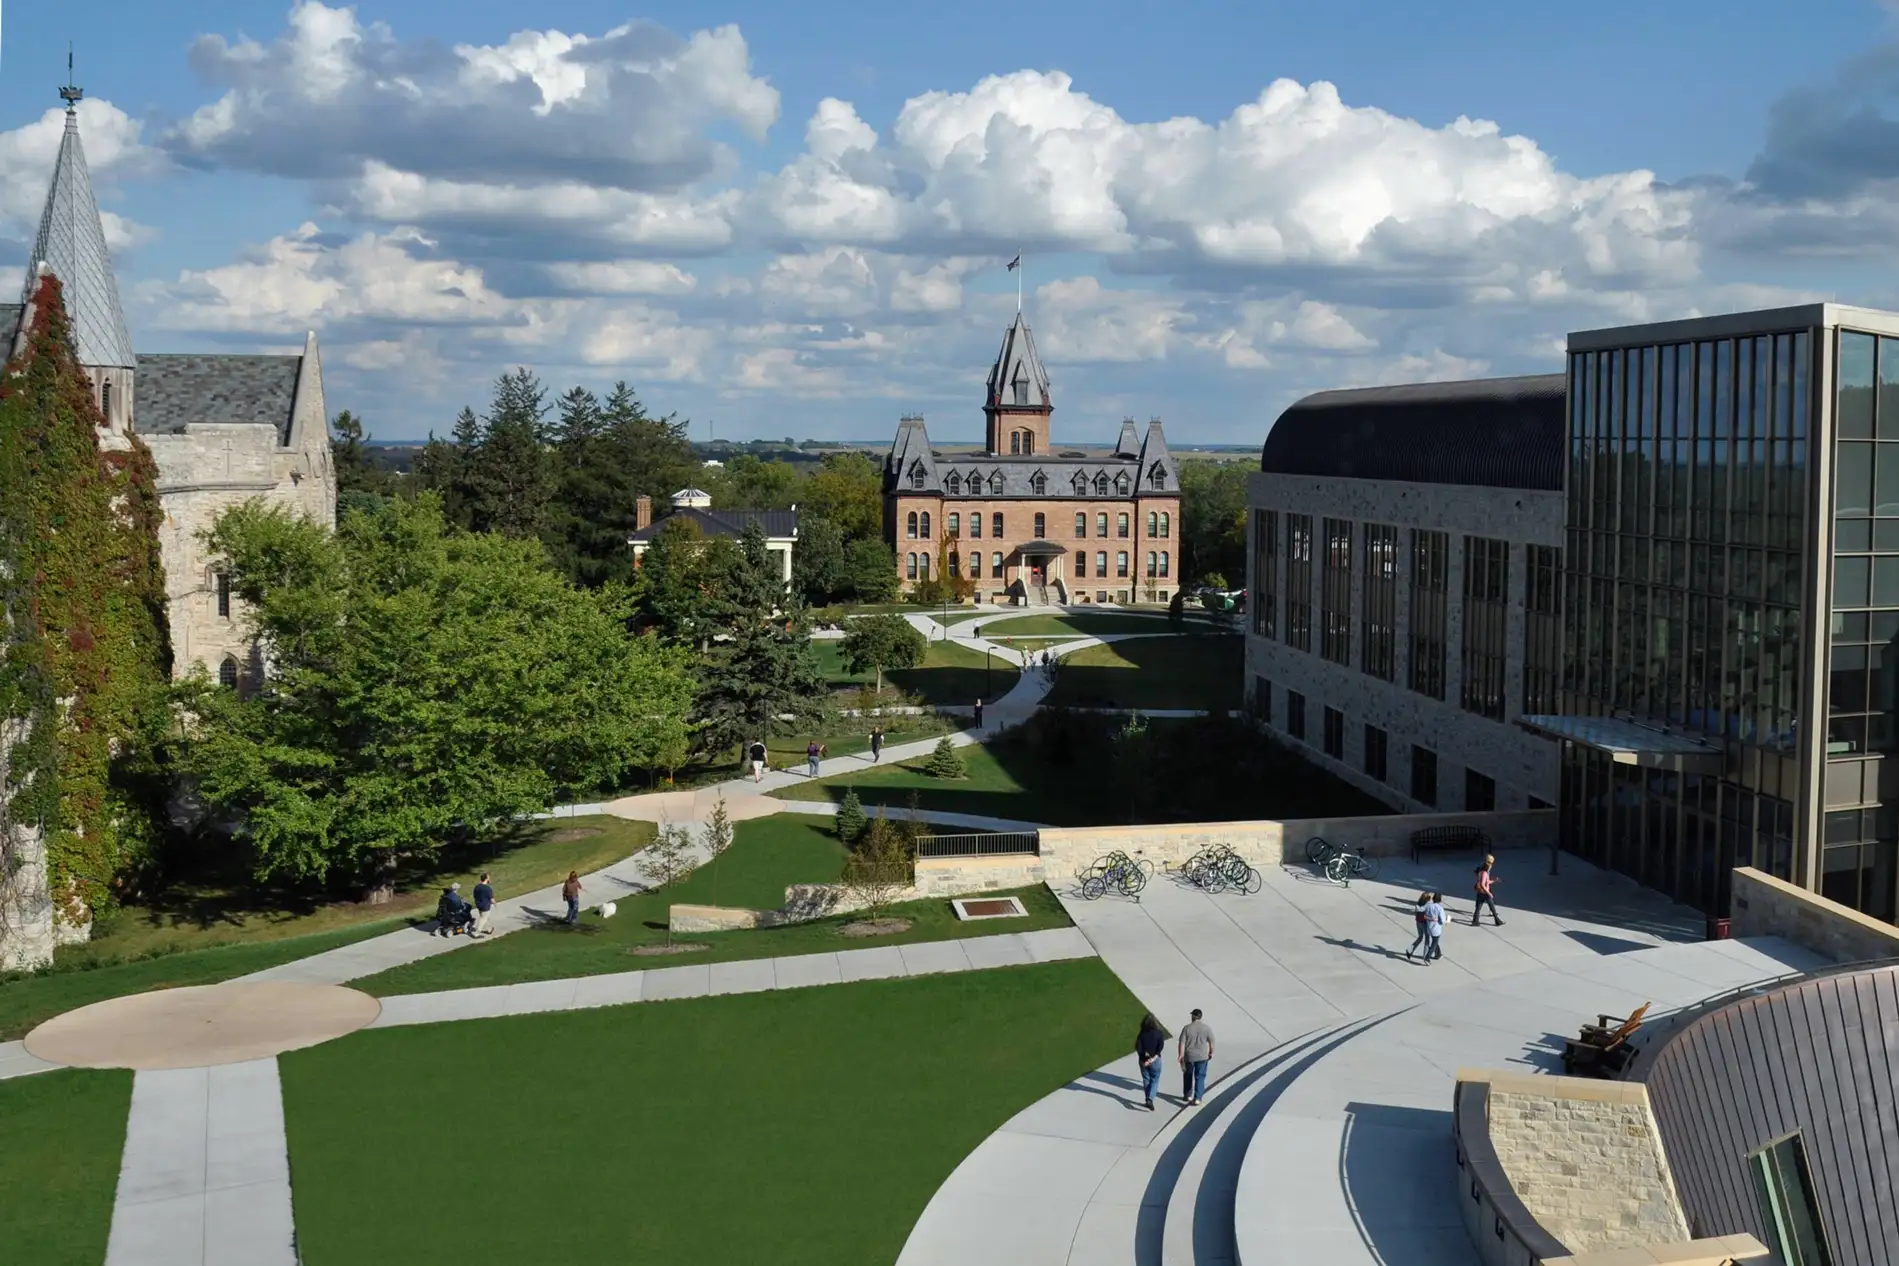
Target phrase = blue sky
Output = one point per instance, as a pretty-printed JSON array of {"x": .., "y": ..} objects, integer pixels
[{"x": 791, "y": 219}]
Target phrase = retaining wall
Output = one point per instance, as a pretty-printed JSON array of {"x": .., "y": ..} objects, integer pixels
[{"x": 1766, "y": 906}]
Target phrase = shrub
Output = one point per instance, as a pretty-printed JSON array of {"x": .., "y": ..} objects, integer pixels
[
  {"x": 880, "y": 868},
  {"x": 945, "y": 762},
  {"x": 851, "y": 821}
]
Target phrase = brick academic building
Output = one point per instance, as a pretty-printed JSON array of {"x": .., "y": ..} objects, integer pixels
[{"x": 1029, "y": 522}]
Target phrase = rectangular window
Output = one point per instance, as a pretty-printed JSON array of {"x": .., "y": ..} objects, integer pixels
[
  {"x": 1375, "y": 752},
  {"x": 995, "y": 524},
  {"x": 956, "y": 525},
  {"x": 1081, "y": 523},
  {"x": 1789, "y": 1206},
  {"x": 1380, "y": 653},
  {"x": 1542, "y": 630},
  {"x": 1486, "y": 616},
  {"x": 1299, "y": 581},
  {"x": 1480, "y": 792},
  {"x": 1101, "y": 566},
  {"x": 1430, "y": 573},
  {"x": 1041, "y": 527},
  {"x": 1121, "y": 564},
  {"x": 995, "y": 566},
  {"x": 1163, "y": 564},
  {"x": 1335, "y": 592},
  {"x": 1296, "y": 715},
  {"x": 1121, "y": 525},
  {"x": 1424, "y": 775},
  {"x": 1081, "y": 564},
  {"x": 1334, "y": 734},
  {"x": 975, "y": 526},
  {"x": 1101, "y": 525},
  {"x": 1263, "y": 699},
  {"x": 224, "y": 595},
  {"x": 1265, "y": 596}
]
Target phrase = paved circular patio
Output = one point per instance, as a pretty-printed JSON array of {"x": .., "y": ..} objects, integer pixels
[{"x": 201, "y": 1026}]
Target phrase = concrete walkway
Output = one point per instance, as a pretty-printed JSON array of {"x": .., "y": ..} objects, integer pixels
[
  {"x": 17, "y": 1061},
  {"x": 757, "y": 975},
  {"x": 205, "y": 1176},
  {"x": 1325, "y": 1135}
]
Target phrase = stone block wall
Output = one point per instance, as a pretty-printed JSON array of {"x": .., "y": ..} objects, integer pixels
[
  {"x": 1586, "y": 1159},
  {"x": 1766, "y": 906},
  {"x": 27, "y": 931},
  {"x": 966, "y": 876}
]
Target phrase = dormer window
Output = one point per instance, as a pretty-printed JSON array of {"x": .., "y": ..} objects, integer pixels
[
  {"x": 1157, "y": 476},
  {"x": 1101, "y": 485},
  {"x": 917, "y": 477},
  {"x": 1081, "y": 484},
  {"x": 1021, "y": 384},
  {"x": 1038, "y": 483},
  {"x": 1121, "y": 484},
  {"x": 995, "y": 483},
  {"x": 953, "y": 482}
]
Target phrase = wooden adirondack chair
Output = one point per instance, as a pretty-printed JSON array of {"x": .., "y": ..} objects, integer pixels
[{"x": 1602, "y": 1049}]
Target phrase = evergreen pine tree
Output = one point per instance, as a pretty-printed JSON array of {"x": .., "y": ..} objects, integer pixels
[
  {"x": 766, "y": 673},
  {"x": 850, "y": 818},
  {"x": 511, "y": 470},
  {"x": 945, "y": 761}
]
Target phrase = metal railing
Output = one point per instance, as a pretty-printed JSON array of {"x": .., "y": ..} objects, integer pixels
[{"x": 990, "y": 844}]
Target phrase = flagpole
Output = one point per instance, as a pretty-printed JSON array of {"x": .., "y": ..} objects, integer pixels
[{"x": 1018, "y": 284}]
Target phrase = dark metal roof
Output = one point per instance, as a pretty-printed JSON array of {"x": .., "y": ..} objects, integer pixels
[
  {"x": 1491, "y": 433},
  {"x": 775, "y": 523},
  {"x": 173, "y": 392}
]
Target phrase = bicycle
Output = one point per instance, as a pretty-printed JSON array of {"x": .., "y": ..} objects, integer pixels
[
  {"x": 1217, "y": 868},
  {"x": 1319, "y": 851},
  {"x": 1116, "y": 870},
  {"x": 1343, "y": 867}
]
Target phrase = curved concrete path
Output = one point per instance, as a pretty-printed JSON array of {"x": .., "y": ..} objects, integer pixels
[{"x": 1326, "y": 1133}]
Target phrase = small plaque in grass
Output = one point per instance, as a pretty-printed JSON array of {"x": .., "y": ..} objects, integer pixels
[{"x": 989, "y": 908}]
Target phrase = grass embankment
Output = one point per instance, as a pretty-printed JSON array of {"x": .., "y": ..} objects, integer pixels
[
  {"x": 1156, "y": 672},
  {"x": 808, "y": 1126},
  {"x": 1068, "y": 769},
  {"x": 61, "y": 1136},
  {"x": 1070, "y": 625},
  {"x": 207, "y": 934},
  {"x": 767, "y": 855}
]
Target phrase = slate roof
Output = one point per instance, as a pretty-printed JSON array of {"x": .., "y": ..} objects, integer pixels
[
  {"x": 775, "y": 523},
  {"x": 1490, "y": 433},
  {"x": 174, "y": 391},
  {"x": 71, "y": 243},
  {"x": 1017, "y": 379}
]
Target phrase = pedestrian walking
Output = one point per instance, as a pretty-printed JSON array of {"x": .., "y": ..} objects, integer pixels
[
  {"x": 876, "y": 744},
  {"x": 1486, "y": 881},
  {"x": 979, "y": 714},
  {"x": 975, "y": 631},
  {"x": 1423, "y": 917},
  {"x": 1434, "y": 923},
  {"x": 1149, "y": 1044},
  {"x": 757, "y": 753},
  {"x": 484, "y": 907},
  {"x": 570, "y": 893},
  {"x": 813, "y": 753},
  {"x": 1196, "y": 1052}
]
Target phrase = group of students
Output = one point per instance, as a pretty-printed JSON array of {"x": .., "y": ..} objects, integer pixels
[{"x": 1431, "y": 916}]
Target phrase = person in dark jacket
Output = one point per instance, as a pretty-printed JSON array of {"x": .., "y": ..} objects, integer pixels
[
  {"x": 484, "y": 907},
  {"x": 1149, "y": 1045},
  {"x": 876, "y": 744},
  {"x": 451, "y": 912}
]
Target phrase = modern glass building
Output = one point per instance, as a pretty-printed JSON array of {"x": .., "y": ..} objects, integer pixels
[{"x": 1730, "y": 603}]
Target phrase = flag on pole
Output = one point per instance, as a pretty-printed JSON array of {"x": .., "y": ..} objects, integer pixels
[{"x": 1015, "y": 263}]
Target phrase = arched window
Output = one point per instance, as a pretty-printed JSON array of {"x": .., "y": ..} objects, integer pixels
[
  {"x": 955, "y": 564},
  {"x": 1028, "y": 441},
  {"x": 1038, "y": 484},
  {"x": 1081, "y": 523},
  {"x": 1101, "y": 485},
  {"x": 1015, "y": 443},
  {"x": 1041, "y": 526},
  {"x": 924, "y": 531},
  {"x": 1163, "y": 563},
  {"x": 995, "y": 523},
  {"x": 1153, "y": 523},
  {"x": 916, "y": 475},
  {"x": 1153, "y": 564},
  {"x": 1121, "y": 526},
  {"x": 1081, "y": 564},
  {"x": 1167, "y": 524},
  {"x": 224, "y": 595},
  {"x": 910, "y": 567},
  {"x": 1121, "y": 564},
  {"x": 1120, "y": 484},
  {"x": 910, "y": 526},
  {"x": 995, "y": 566},
  {"x": 953, "y": 482},
  {"x": 227, "y": 673},
  {"x": 923, "y": 565},
  {"x": 1101, "y": 525},
  {"x": 995, "y": 483},
  {"x": 956, "y": 525},
  {"x": 1101, "y": 564},
  {"x": 1157, "y": 476}
]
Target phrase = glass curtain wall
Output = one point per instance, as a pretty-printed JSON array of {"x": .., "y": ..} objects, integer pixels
[
  {"x": 1542, "y": 630},
  {"x": 1687, "y": 499},
  {"x": 1857, "y": 865},
  {"x": 1486, "y": 616},
  {"x": 1381, "y": 601},
  {"x": 1335, "y": 606},
  {"x": 1430, "y": 578},
  {"x": 1299, "y": 581}
]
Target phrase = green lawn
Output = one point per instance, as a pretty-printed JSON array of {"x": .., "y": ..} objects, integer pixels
[
  {"x": 1089, "y": 625},
  {"x": 199, "y": 915},
  {"x": 61, "y": 1135},
  {"x": 1153, "y": 672},
  {"x": 1066, "y": 769},
  {"x": 955, "y": 675},
  {"x": 804, "y": 1127},
  {"x": 766, "y": 856}
]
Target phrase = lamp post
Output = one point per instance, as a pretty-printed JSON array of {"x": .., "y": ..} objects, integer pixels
[{"x": 985, "y": 669}]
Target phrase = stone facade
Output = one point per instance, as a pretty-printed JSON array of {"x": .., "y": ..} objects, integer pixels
[
  {"x": 27, "y": 933},
  {"x": 1766, "y": 906},
  {"x": 1522, "y": 766},
  {"x": 1586, "y": 1159}
]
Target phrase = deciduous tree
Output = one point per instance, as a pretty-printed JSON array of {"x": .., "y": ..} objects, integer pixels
[{"x": 879, "y": 642}]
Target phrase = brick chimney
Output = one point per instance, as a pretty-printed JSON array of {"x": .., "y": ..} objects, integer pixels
[{"x": 642, "y": 513}]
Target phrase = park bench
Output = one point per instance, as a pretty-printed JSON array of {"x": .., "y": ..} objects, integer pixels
[
  {"x": 1602, "y": 1049},
  {"x": 1447, "y": 838}
]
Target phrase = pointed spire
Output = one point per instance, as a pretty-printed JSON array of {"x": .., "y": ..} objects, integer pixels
[
  {"x": 1018, "y": 380},
  {"x": 71, "y": 244}
]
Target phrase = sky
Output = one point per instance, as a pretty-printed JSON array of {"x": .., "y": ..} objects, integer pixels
[{"x": 793, "y": 220}]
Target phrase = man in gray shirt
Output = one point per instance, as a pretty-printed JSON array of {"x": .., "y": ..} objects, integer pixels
[{"x": 1196, "y": 1051}]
